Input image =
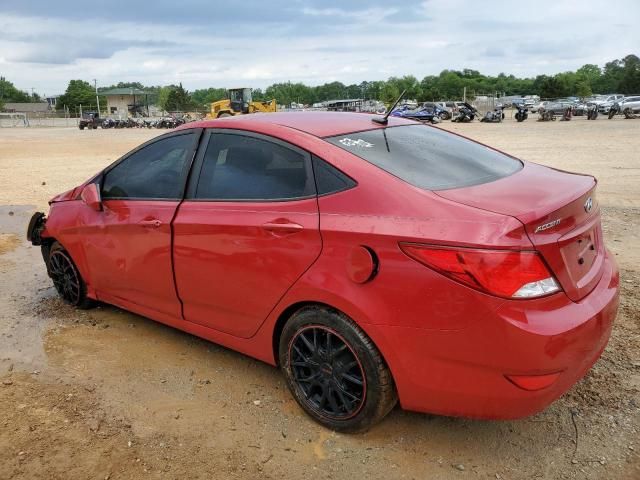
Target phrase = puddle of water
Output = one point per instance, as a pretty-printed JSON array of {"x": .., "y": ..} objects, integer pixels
[
  {"x": 165, "y": 378},
  {"x": 25, "y": 285}
]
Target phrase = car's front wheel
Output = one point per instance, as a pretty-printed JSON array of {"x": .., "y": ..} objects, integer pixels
[
  {"x": 334, "y": 370},
  {"x": 66, "y": 278}
]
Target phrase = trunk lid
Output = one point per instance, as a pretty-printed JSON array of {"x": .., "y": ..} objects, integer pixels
[{"x": 560, "y": 215}]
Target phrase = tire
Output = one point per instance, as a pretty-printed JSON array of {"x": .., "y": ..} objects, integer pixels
[
  {"x": 65, "y": 274},
  {"x": 81, "y": 127},
  {"x": 352, "y": 387},
  {"x": 443, "y": 116},
  {"x": 224, "y": 114}
]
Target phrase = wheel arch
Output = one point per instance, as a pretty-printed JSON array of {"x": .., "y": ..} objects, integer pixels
[
  {"x": 76, "y": 252},
  {"x": 289, "y": 311},
  {"x": 45, "y": 248}
]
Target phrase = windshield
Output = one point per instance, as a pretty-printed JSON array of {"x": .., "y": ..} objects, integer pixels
[{"x": 428, "y": 157}]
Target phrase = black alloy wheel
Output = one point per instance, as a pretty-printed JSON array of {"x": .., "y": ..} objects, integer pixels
[
  {"x": 328, "y": 372},
  {"x": 65, "y": 277},
  {"x": 334, "y": 371}
]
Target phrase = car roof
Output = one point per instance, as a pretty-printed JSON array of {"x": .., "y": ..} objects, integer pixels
[{"x": 319, "y": 124}]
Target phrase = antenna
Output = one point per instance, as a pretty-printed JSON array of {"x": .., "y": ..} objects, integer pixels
[{"x": 384, "y": 120}]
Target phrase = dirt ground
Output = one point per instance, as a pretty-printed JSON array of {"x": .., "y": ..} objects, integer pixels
[{"x": 105, "y": 394}]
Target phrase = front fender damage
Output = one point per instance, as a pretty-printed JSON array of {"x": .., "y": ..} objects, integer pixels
[{"x": 36, "y": 227}]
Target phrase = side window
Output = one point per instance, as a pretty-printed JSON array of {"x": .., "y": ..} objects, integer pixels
[
  {"x": 155, "y": 171},
  {"x": 238, "y": 167},
  {"x": 329, "y": 179}
]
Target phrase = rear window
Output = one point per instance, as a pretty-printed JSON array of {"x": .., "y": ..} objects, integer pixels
[{"x": 427, "y": 157}]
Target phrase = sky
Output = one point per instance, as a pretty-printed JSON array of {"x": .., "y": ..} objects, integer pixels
[{"x": 208, "y": 43}]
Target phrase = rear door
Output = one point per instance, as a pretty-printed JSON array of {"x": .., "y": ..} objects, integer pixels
[
  {"x": 248, "y": 229},
  {"x": 128, "y": 243}
]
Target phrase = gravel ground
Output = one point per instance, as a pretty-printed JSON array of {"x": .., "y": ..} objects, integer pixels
[{"x": 107, "y": 394}]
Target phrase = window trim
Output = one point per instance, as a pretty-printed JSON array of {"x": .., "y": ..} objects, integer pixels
[
  {"x": 198, "y": 163},
  {"x": 100, "y": 178},
  {"x": 315, "y": 178}
]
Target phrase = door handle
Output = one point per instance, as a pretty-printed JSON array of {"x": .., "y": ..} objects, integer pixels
[
  {"x": 282, "y": 227},
  {"x": 155, "y": 223}
]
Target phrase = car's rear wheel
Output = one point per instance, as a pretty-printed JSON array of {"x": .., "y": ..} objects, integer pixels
[
  {"x": 334, "y": 371},
  {"x": 66, "y": 278}
]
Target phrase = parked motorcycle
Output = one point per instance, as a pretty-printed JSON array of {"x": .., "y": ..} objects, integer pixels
[
  {"x": 592, "y": 112},
  {"x": 523, "y": 112},
  {"x": 545, "y": 115},
  {"x": 465, "y": 113},
  {"x": 567, "y": 114},
  {"x": 495, "y": 116},
  {"x": 421, "y": 114},
  {"x": 630, "y": 113},
  {"x": 614, "y": 110}
]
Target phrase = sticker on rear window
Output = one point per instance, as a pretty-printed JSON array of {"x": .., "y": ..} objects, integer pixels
[{"x": 348, "y": 142}]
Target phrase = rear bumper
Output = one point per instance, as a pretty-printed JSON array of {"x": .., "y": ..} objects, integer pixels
[{"x": 463, "y": 372}]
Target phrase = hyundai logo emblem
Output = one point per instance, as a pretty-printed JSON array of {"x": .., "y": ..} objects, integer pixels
[{"x": 588, "y": 205}]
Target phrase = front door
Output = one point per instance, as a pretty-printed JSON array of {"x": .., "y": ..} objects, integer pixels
[
  {"x": 128, "y": 244},
  {"x": 248, "y": 229}
]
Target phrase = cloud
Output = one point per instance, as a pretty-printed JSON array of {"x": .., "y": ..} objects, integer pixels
[
  {"x": 203, "y": 43},
  {"x": 493, "y": 52}
]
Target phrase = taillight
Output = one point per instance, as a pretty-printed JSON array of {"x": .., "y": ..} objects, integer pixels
[{"x": 504, "y": 273}]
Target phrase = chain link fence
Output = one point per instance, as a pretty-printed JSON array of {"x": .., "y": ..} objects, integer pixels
[
  {"x": 63, "y": 119},
  {"x": 37, "y": 119}
]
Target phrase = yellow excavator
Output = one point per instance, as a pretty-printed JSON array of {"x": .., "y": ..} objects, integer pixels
[{"x": 239, "y": 102}]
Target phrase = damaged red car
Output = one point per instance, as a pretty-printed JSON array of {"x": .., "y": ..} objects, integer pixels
[{"x": 372, "y": 261}]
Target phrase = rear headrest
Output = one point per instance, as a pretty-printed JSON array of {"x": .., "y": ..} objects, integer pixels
[{"x": 248, "y": 159}]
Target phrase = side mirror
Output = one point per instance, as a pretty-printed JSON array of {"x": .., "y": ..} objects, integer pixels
[{"x": 90, "y": 195}]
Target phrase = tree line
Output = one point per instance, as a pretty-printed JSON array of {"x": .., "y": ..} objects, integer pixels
[
  {"x": 616, "y": 76},
  {"x": 9, "y": 93}
]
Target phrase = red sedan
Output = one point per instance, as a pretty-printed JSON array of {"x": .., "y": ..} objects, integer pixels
[{"x": 372, "y": 262}]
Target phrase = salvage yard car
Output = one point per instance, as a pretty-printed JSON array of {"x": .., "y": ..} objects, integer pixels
[
  {"x": 631, "y": 103},
  {"x": 560, "y": 106},
  {"x": 371, "y": 260},
  {"x": 604, "y": 102}
]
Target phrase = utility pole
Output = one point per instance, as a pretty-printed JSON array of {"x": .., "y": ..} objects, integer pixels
[{"x": 95, "y": 85}]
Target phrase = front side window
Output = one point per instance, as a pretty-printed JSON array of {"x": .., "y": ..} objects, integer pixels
[
  {"x": 428, "y": 157},
  {"x": 156, "y": 171},
  {"x": 238, "y": 167}
]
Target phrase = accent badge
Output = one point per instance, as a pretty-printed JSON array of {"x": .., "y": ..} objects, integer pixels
[{"x": 588, "y": 205}]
